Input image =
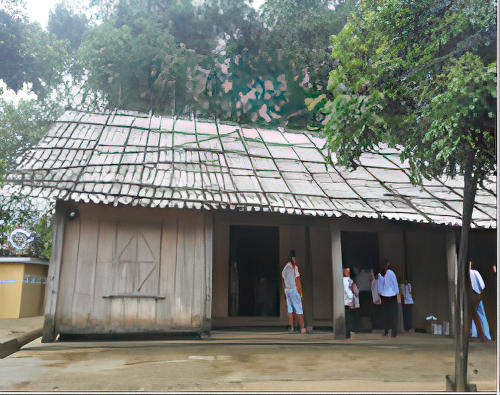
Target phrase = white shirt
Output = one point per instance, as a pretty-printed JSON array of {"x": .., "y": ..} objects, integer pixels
[
  {"x": 476, "y": 281},
  {"x": 348, "y": 294},
  {"x": 388, "y": 284},
  {"x": 405, "y": 290},
  {"x": 289, "y": 274}
]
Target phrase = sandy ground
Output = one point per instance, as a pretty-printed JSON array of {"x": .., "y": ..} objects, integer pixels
[{"x": 247, "y": 362}]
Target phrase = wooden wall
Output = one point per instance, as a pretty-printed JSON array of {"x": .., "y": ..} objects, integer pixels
[
  {"x": 140, "y": 269},
  {"x": 135, "y": 269},
  {"x": 391, "y": 248},
  {"x": 428, "y": 274},
  {"x": 322, "y": 280},
  {"x": 309, "y": 237}
]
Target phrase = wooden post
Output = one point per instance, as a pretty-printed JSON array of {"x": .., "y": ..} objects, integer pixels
[
  {"x": 451, "y": 257},
  {"x": 338, "y": 286},
  {"x": 308, "y": 292},
  {"x": 209, "y": 224},
  {"x": 49, "y": 325}
]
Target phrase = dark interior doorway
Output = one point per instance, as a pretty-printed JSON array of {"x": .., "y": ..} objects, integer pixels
[
  {"x": 360, "y": 253},
  {"x": 360, "y": 250},
  {"x": 253, "y": 271}
]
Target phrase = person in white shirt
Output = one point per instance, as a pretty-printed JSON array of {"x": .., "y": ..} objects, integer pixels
[
  {"x": 476, "y": 307},
  {"x": 293, "y": 292},
  {"x": 407, "y": 300},
  {"x": 388, "y": 289},
  {"x": 348, "y": 302}
]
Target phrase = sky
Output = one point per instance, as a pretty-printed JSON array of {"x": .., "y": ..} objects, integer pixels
[{"x": 38, "y": 10}]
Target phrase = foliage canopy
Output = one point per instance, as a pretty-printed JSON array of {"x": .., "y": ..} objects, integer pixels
[{"x": 417, "y": 75}]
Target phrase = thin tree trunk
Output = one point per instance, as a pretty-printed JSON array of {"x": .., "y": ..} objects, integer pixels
[{"x": 462, "y": 305}]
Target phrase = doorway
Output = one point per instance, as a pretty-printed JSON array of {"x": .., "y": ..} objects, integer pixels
[
  {"x": 253, "y": 271},
  {"x": 360, "y": 253}
]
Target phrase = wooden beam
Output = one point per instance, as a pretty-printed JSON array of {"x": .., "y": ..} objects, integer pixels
[
  {"x": 451, "y": 258},
  {"x": 308, "y": 283},
  {"x": 209, "y": 226},
  {"x": 49, "y": 325},
  {"x": 337, "y": 281}
]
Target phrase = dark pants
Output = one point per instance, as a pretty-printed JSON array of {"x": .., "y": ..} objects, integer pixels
[
  {"x": 348, "y": 321},
  {"x": 407, "y": 321},
  {"x": 390, "y": 307},
  {"x": 378, "y": 320}
]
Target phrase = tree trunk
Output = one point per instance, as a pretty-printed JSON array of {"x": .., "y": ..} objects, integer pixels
[{"x": 463, "y": 282}]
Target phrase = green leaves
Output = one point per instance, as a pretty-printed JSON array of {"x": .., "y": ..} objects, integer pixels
[
  {"x": 28, "y": 54},
  {"x": 415, "y": 76},
  {"x": 219, "y": 58},
  {"x": 21, "y": 127}
]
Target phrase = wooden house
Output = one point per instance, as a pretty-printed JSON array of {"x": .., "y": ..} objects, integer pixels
[{"x": 165, "y": 225}]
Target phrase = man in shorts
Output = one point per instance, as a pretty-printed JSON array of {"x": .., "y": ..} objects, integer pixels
[{"x": 293, "y": 292}]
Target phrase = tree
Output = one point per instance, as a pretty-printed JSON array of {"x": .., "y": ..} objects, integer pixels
[
  {"x": 302, "y": 29},
  {"x": 21, "y": 213},
  {"x": 21, "y": 127},
  {"x": 227, "y": 65},
  {"x": 419, "y": 76},
  {"x": 65, "y": 24},
  {"x": 28, "y": 54},
  {"x": 138, "y": 66}
]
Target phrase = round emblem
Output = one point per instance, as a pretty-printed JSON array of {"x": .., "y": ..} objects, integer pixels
[{"x": 19, "y": 239}]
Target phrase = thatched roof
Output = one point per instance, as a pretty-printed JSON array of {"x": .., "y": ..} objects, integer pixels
[{"x": 133, "y": 159}]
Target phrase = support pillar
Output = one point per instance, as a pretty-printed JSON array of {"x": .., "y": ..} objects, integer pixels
[
  {"x": 451, "y": 257},
  {"x": 52, "y": 286},
  {"x": 209, "y": 242},
  {"x": 338, "y": 286}
]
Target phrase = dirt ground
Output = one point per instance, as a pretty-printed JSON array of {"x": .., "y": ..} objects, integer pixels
[{"x": 246, "y": 364}]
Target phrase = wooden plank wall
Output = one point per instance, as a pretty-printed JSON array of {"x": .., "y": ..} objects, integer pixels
[
  {"x": 220, "y": 269},
  {"x": 391, "y": 247},
  {"x": 54, "y": 273},
  {"x": 322, "y": 280},
  {"x": 158, "y": 256},
  {"x": 428, "y": 269}
]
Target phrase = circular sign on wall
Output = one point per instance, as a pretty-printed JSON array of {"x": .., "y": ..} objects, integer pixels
[{"x": 20, "y": 239}]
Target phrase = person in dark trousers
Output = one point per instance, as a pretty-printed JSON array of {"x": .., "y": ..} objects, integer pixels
[{"x": 388, "y": 289}]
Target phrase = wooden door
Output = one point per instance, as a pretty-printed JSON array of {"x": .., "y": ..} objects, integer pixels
[
  {"x": 136, "y": 268},
  {"x": 137, "y": 259}
]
